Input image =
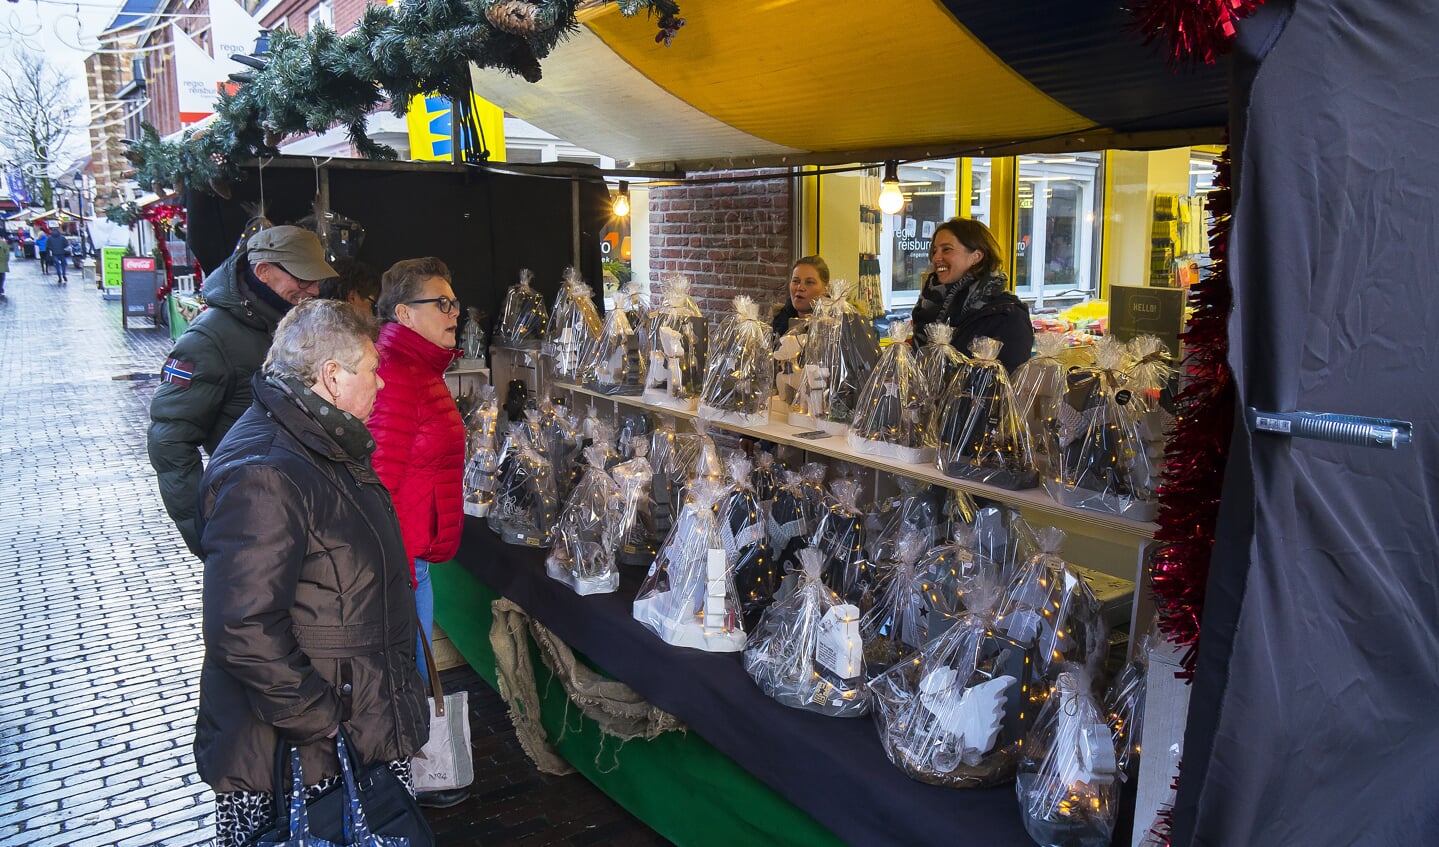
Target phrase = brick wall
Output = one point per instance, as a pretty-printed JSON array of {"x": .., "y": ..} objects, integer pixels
[{"x": 729, "y": 239}]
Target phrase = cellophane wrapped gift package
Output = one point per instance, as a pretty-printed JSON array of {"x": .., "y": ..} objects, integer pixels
[
  {"x": 917, "y": 508},
  {"x": 806, "y": 652},
  {"x": 789, "y": 523},
  {"x": 954, "y": 714},
  {"x": 1105, "y": 464},
  {"x": 981, "y": 435},
  {"x": 1150, "y": 369},
  {"x": 1124, "y": 709},
  {"x": 561, "y": 438},
  {"x": 742, "y": 526},
  {"x": 788, "y": 370},
  {"x": 838, "y": 356},
  {"x": 1068, "y": 785},
  {"x": 524, "y": 317},
  {"x": 636, "y": 537},
  {"x": 574, "y": 324},
  {"x": 676, "y": 348},
  {"x": 609, "y": 362},
  {"x": 688, "y": 598},
  {"x": 1039, "y": 386},
  {"x": 939, "y": 361},
  {"x": 483, "y": 459},
  {"x": 1047, "y": 605},
  {"x": 740, "y": 378},
  {"x": 891, "y": 630},
  {"x": 839, "y": 537},
  {"x": 526, "y": 504},
  {"x": 893, "y": 417},
  {"x": 764, "y": 477},
  {"x": 582, "y": 553}
]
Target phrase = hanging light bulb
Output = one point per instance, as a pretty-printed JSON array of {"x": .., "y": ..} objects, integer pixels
[
  {"x": 891, "y": 199},
  {"x": 622, "y": 202}
]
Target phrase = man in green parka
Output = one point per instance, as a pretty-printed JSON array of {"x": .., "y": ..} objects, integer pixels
[{"x": 205, "y": 382}]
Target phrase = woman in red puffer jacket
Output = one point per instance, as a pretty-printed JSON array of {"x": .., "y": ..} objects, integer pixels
[{"x": 419, "y": 436}]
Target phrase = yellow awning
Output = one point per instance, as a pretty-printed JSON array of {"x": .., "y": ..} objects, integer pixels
[{"x": 800, "y": 81}]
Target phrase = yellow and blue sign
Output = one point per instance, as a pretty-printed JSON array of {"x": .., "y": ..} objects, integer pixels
[{"x": 431, "y": 132}]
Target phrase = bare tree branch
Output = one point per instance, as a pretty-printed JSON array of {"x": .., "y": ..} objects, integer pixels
[{"x": 37, "y": 116}]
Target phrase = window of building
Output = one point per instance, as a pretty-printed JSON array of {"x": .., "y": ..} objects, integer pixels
[
  {"x": 930, "y": 197},
  {"x": 1057, "y": 225},
  {"x": 324, "y": 13}
]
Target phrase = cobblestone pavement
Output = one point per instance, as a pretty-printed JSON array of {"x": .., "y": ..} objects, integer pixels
[{"x": 100, "y": 620}]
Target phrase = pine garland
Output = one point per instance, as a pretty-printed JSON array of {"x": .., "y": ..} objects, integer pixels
[{"x": 322, "y": 80}]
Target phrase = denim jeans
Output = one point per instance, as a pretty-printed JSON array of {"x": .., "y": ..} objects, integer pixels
[{"x": 425, "y": 607}]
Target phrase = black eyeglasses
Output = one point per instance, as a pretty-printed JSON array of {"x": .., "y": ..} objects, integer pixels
[{"x": 445, "y": 304}]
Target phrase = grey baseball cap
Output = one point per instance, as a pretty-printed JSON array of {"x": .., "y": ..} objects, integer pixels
[{"x": 296, "y": 250}]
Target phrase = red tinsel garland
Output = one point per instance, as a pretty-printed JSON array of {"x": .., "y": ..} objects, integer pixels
[
  {"x": 1196, "y": 30},
  {"x": 1198, "y": 445},
  {"x": 161, "y": 217}
]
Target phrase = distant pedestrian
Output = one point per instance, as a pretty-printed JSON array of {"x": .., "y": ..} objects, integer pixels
[
  {"x": 205, "y": 383},
  {"x": 308, "y": 618},
  {"x": 4, "y": 267},
  {"x": 40, "y": 253},
  {"x": 58, "y": 246}
]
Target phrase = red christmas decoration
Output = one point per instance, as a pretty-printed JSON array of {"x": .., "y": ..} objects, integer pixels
[
  {"x": 163, "y": 216},
  {"x": 1196, "y": 30}
]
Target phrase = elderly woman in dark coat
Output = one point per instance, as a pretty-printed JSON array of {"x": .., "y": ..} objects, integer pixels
[{"x": 309, "y": 619}]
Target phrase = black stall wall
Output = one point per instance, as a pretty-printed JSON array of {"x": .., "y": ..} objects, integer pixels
[
  {"x": 1313, "y": 719},
  {"x": 486, "y": 226}
]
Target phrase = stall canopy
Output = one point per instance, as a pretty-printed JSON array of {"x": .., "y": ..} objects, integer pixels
[{"x": 803, "y": 81}]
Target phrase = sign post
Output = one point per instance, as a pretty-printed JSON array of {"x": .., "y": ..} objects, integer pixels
[
  {"x": 137, "y": 284},
  {"x": 110, "y": 269}
]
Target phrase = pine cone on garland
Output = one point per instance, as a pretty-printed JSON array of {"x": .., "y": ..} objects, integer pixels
[
  {"x": 273, "y": 139},
  {"x": 517, "y": 17},
  {"x": 221, "y": 187}
]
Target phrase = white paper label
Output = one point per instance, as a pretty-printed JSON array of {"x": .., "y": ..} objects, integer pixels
[
  {"x": 715, "y": 565},
  {"x": 838, "y": 648}
]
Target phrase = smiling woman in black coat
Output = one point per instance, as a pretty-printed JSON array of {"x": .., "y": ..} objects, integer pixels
[{"x": 968, "y": 290}]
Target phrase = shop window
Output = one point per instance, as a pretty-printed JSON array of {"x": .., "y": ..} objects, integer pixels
[
  {"x": 1057, "y": 225},
  {"x": 930, "y": 197}
]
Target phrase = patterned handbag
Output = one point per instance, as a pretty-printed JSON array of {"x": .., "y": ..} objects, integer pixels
[{"x": 368, "y": 807}]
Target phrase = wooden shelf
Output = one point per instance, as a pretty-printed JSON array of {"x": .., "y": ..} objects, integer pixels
[{"x": 837, "y": 447}]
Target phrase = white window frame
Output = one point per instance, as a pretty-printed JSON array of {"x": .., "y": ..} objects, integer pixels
[{"x": 1040, "y": 171}]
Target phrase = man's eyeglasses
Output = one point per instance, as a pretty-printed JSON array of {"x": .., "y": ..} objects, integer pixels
[{"x": 446, "y": 304}]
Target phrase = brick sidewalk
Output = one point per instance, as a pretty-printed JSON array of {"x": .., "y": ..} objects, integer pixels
[{"x": 100, "y": 627}]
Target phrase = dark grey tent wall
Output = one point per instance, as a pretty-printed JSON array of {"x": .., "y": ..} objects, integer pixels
[
  {"x": 1313, "y": 719},
  {"x": 485, "y": 225}
]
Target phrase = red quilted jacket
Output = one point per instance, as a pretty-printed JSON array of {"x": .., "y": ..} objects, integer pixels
[{"x": 420, "y": 443}]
